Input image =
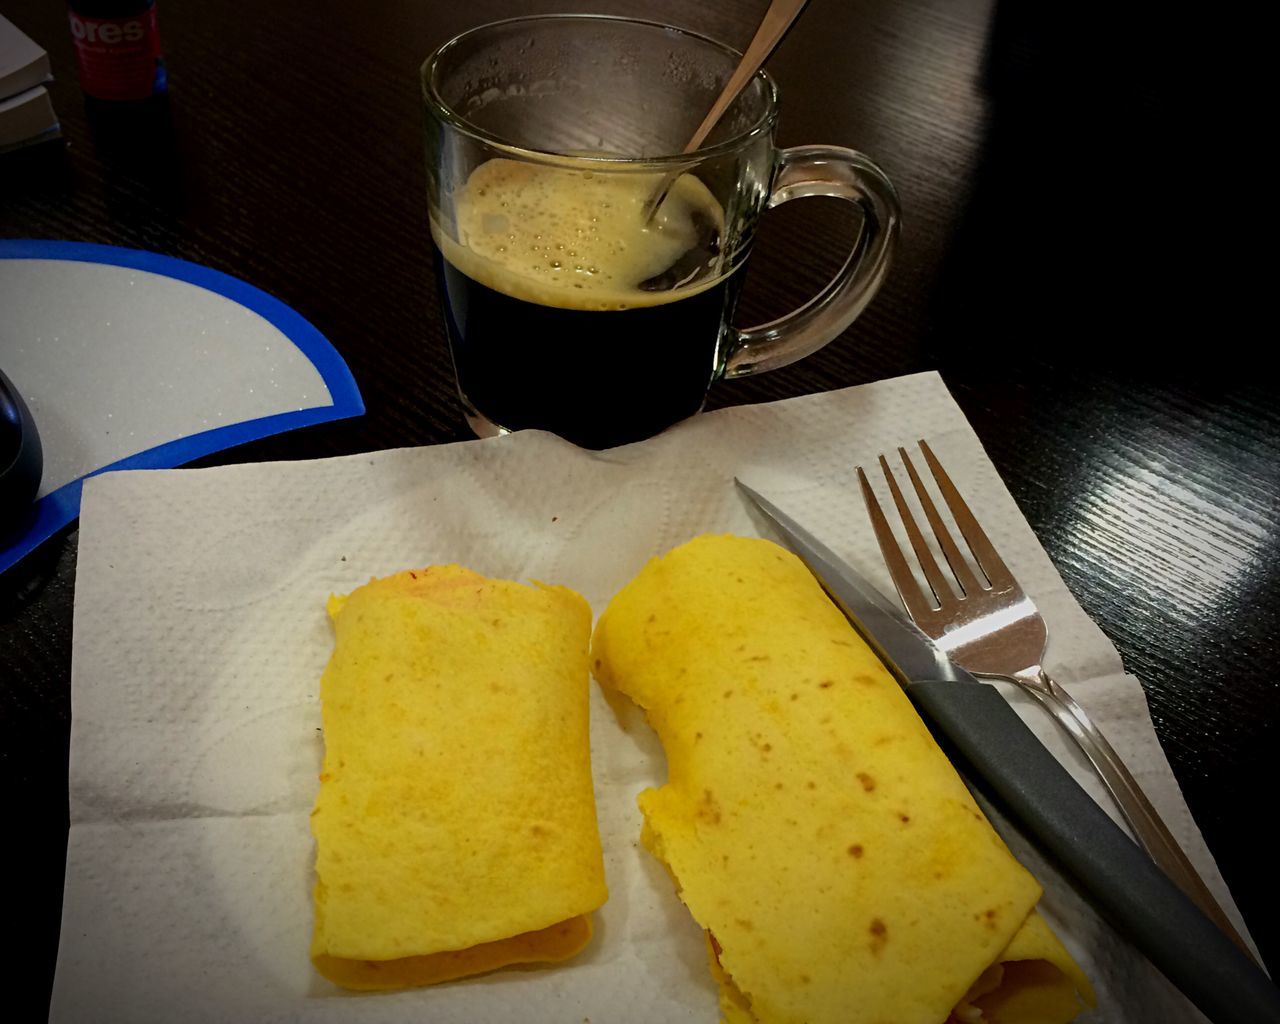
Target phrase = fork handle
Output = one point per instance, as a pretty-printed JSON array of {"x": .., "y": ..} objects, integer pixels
[
  {"x": 1144, "y": 821},
  {"x": 1121, "y": 881}
]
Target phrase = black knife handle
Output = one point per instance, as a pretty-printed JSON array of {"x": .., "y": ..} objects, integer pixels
[{"x": 1121, "y": 881}]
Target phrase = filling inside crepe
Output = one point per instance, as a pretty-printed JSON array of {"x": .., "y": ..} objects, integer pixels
[
  {"x": 455, "y": 824},
  {"x": 815, "y": 831}
]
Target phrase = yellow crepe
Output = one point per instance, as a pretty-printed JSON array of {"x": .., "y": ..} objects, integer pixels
[
  {"x": 840, "y": 867},
  {"x": 455, "y": 825}
]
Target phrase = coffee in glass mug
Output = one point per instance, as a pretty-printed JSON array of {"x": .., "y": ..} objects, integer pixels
[{"x": 571, "y": 304}]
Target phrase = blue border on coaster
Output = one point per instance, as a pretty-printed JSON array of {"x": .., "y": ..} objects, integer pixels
[{"x": 58, "y": 508}]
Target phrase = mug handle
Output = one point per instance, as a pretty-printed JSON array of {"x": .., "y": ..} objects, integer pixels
[{"x": 845, "y": 174}]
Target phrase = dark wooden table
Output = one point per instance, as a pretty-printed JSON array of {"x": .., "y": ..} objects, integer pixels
[{"x": 1052, "y": 267}]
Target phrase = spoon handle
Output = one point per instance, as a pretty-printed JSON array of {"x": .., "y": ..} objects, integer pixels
[{"x": 777, "y": 19}]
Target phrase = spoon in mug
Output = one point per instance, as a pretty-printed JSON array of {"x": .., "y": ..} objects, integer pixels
[{"x": 780, "y": 16}]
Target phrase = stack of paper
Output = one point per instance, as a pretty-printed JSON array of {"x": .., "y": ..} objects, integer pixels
[{"x": 26, "y": 112}]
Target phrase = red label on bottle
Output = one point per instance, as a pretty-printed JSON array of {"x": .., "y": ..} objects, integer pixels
[{"x": 119, "y": 58}]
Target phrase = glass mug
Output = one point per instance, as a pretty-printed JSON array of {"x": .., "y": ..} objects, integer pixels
[{"x": 568, "y": 307}]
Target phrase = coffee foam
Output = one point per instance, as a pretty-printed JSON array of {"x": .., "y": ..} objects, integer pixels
[{"x": 573, "y": 238}]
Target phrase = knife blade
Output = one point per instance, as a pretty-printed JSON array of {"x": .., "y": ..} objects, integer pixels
[{"x": 1028, "y": 782}]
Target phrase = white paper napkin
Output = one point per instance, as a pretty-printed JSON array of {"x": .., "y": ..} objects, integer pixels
[{"x": 200, "y": 636}]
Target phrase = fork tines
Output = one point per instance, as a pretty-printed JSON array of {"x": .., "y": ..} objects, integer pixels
[{"x": 993, "y": 569}]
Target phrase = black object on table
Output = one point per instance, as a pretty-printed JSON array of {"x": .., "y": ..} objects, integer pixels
[{"x": 21, "y": 457}]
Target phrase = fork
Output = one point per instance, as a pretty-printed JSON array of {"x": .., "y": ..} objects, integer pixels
[{"x": 988, "y": 625}]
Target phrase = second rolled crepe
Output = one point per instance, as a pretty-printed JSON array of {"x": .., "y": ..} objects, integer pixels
[
  {"x": 839, "y": 866},
  {"x": 455, "y": 825}
]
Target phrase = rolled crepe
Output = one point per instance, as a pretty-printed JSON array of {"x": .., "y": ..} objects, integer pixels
[
  {"x": 841, "y": 869},
  {"x": 455, "y": 825}
]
